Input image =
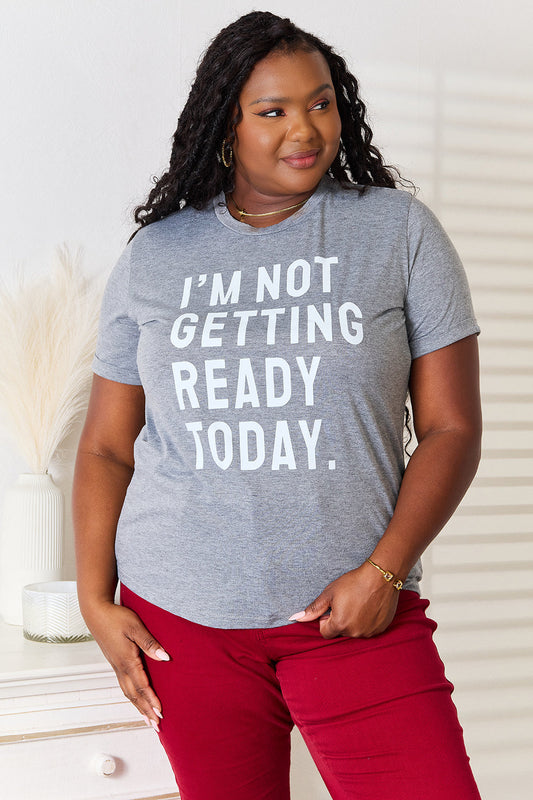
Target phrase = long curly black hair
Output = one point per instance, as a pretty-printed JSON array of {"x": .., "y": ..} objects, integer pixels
[{"x": 196, "y": 174}]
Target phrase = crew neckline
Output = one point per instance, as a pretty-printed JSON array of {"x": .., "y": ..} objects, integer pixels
[{"x": 223, "y": 215}]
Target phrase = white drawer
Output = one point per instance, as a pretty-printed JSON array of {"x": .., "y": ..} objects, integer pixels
[{"x": 62, "y": 767}]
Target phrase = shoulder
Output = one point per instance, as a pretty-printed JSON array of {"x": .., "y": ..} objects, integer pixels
[
  {"x": 370, "y": 200},
  {"x": 179, "y": 223},
  {"x": 381, "y": 205}
]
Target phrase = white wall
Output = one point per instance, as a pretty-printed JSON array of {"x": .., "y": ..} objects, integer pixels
[{"x": 91, "y": 91}]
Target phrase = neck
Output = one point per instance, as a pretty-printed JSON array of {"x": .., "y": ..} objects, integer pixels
[{"x": 262, "y": 211}]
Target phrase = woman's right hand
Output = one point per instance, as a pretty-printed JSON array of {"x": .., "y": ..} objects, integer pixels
[
  {"x": 122, "y": 637},
  {"x": 104, "y": 468}
]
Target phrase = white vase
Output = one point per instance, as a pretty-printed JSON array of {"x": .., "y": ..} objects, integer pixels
[{"x": 31, "y": 544}]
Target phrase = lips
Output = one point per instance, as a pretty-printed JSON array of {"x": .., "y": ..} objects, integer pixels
[{"x": 302, "y": 159}]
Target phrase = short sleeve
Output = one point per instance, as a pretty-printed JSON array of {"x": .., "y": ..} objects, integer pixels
[
  {"x": 438, "y": 305},
  {"x": 118, "y": 332}
]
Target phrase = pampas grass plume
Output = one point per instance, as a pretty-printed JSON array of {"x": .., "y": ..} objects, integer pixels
[{"x": 48, "y": 331}]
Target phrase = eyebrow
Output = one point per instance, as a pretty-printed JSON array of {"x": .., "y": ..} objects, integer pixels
[{"x": 287, "y": 99}]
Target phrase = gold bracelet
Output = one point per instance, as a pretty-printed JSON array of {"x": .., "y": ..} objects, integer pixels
[{"x": 396, "y": 582}]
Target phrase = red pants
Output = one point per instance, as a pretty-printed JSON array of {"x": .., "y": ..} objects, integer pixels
[{"x": 376, "y": 714}]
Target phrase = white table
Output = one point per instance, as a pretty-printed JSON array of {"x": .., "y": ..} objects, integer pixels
[{"x": 64, "y": 724}]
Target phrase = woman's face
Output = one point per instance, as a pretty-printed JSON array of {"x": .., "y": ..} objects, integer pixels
[{"x": 290, "y": 128}]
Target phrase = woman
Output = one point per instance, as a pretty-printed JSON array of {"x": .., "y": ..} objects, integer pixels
[{"x": 244, "y": 441}]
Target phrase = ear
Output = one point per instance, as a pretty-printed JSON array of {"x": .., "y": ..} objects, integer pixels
[{"x": 234, "y": 119}]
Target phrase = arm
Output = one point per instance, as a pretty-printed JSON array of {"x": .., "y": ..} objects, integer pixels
[
  {"x": 444, "y": 389},
  {"x": 104, "y": 467}
]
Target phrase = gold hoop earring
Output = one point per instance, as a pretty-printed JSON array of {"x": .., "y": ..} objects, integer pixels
[{"x": 224, "y": 146}]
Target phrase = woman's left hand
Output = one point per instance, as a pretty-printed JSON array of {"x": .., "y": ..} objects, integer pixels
[{"x": 362, "y": 605}]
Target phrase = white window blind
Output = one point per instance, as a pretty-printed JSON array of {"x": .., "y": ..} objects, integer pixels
[{"x": 467, "y": 141}]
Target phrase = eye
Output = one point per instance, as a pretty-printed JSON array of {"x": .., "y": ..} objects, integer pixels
[
  {"x": 273, "y": 112},
  {"x": 321, "y": 104}
]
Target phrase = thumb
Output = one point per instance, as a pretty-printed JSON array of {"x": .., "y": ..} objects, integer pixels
[
  {"x": 150, "y": 646},
  {"x": 316, "y": 609}
]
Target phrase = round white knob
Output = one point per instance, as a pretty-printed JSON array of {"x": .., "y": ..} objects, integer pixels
[{"x": 104, "y": 764}]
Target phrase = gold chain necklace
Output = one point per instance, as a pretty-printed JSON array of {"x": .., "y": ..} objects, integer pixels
[{"x": 244, "y": 213}]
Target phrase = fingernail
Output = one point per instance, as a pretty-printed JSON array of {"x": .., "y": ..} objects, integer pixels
[
  {"x": 160, "y": 653},
  {"x": 147, "y": 721},
  {"x": 298, "y": 615},
  {"x": 157, "y": 712},
  {"x": 154, "y": 725}
]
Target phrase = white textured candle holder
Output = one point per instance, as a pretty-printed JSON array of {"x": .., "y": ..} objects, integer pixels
[{"x": 51, "y": 613}]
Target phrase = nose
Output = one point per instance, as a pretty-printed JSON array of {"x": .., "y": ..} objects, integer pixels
[{"x": 301, "y": 128}]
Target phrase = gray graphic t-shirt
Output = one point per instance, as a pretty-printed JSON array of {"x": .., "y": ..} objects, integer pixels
[{"x": 275, "y": 363}]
